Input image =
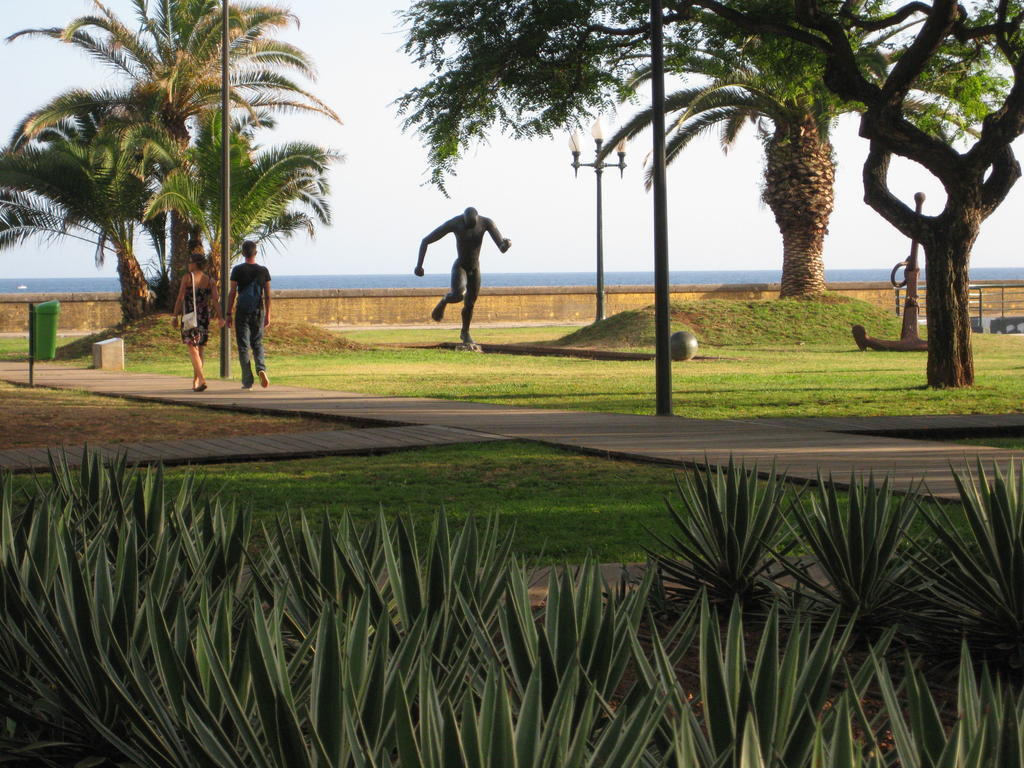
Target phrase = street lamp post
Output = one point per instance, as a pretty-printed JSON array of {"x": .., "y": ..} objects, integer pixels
[
  {"x": 598, "y": 165},
  {"x": 225, "y": 213},
  {"x": 663, "y": 363}
]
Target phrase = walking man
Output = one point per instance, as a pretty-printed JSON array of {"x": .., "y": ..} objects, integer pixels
[
  {"x": 250, "y": 284},
  {"x": 469, "y": 230}
]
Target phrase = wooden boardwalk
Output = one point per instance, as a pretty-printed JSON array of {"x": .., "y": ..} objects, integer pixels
[
  {"x": 905, "y": 425},
  {"x": 798, "y": 449}
]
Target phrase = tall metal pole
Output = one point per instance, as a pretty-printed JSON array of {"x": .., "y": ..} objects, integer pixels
[
  {"x": 663, "y": 361},
  {"x": 599, "y": 169},
  {"x": 225, "y": 215},
  {"x": 31, "y": 344}
]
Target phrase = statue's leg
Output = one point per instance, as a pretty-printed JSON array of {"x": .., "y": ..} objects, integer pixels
[
  {"x": 472, "y": 291},
  {"x": 455, "y": 294}
]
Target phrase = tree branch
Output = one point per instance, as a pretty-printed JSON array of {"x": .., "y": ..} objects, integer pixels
[
  {"x": 892, "y": 20},
  {"x": 759, "y": 25},
  {"x": 1005, "y": 174},
  {"x": 639, "y": 29},
  {"x": 889, "y": 131},
  {"x": 881, "y": 199},
  {"x": 937, "y": 26},
  {"x": 1000, "y": 128}
]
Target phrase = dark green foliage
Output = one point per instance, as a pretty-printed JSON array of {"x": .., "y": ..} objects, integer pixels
[
  {"x": 989, "y": 730},
  {"x": 766, "y": 711},
  {"x": 859, "y": 548},
  {"x": 977, "y": 579},
  {"x": 276, "y": 191},
  {"x": 147, "y": 629},
  {"x": 528, "y": 67},
  {"x": 727, "y": 537},
  {"x": 142, "y": 629}
]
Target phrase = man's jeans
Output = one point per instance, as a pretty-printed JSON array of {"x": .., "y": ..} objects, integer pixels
[{"x": 249, "y": 337}]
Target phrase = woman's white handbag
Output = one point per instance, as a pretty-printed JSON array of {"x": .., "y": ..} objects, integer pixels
[{"x": 190, "y": 320}]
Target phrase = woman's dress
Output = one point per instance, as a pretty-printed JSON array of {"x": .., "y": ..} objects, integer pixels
[{"x": 198, "y": 336}]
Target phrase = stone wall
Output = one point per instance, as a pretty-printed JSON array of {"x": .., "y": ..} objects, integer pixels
[
  {"x": 85, "y": 312},
  {"x": 79, "y": 312}
]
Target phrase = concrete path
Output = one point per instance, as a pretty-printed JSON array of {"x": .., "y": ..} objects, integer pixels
[{"x": 796, "y": 449}]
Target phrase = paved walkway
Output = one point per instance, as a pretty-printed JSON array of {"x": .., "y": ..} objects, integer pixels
[
  {"x": 796, "y": 449},
  {"x": 906, "y": 425}
]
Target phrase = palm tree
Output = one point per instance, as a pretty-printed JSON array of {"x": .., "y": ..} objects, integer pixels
[
  {"x": 276, "y": 192},
  {"x": 799, "y": 175},
  {"x": 170, "y": 71},
  {"x": 84, "y": 181}
]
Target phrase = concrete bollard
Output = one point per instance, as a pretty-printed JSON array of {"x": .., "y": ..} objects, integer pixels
[{"x": 108, "y": 355}]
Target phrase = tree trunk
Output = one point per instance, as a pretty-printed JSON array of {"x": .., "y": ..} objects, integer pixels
[
  {"x": 181, "y": 233},
  {"x": 213, "y": 266},
  {"x": 134, "y": 288},
  {"x": 950, "y": 358},
  {"x": 799, "y": 188},
  {"x": 181, "y": 228}
]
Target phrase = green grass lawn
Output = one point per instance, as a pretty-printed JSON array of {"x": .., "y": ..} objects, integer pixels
[
  {"x": 530, "y": 334},
  {"x": 791, "y": 377},
  {"x": 563, "y": 506},
  {"x": 1013, "y": 443},
  {"x": 13, "y": 347},
  {"x": 751, "y": 383}
]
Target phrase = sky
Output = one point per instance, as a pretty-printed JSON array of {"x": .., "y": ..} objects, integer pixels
[{"x": 383, "y": 205}]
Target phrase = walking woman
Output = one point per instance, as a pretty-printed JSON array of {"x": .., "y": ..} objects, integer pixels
[{"x": 197, "y": 298}]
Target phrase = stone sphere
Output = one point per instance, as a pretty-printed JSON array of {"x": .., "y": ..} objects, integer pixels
[{"x": 682, "y": 345}]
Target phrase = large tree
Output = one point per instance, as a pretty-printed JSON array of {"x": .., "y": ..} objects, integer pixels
[
  {"x": 168, "y": 70},
  {"x": 276, "y": 192},
  {"x": 85, "y": 181},
  {"x": 794, "y": 125},
  {"x": 530, "y": 67}
]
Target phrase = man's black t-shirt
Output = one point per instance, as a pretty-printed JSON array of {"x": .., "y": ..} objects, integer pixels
[
  {"x": 250, "y": 297},
  {"x": 244, "y": 273}
]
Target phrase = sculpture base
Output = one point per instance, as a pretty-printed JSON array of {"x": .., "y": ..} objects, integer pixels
[
  {"x": 461, "y": 346},
  {"x": 907, "y": 344}
]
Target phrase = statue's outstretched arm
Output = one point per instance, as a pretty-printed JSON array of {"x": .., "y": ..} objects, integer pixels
[
  {"x": 433, "y": 237},
  {"x": 503, "y": 243}
]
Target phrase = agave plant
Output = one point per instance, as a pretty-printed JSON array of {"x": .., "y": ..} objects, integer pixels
[
  {"x": 989, "y": 728},
  {"x": 137, "y": 628},
  {"x": 727, "y": 534},
  {"x": 777, "y": 700},
  {"x": 93, "y": 567},
  {"x": 575, "y": 729},
  {"x": 858, "y": 543},
  {"x": 976, "y": 584}
]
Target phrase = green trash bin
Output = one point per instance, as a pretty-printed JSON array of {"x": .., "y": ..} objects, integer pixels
[{"x": 44, "y": 334}]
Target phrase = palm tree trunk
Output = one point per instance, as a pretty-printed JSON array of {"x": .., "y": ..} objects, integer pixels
[
  {"x": 181, "y": 232},
  {"x": 134, "y": 288},
  {"x": 181, "y": 228},
  {"x": 799, "y": 188},
  {"x": 213, "y": 265}
]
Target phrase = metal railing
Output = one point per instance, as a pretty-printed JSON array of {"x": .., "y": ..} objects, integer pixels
[{"x": 986, "y": 301}]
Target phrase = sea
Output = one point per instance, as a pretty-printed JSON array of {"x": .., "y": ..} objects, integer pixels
[{"x": 494, "y": 279}]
